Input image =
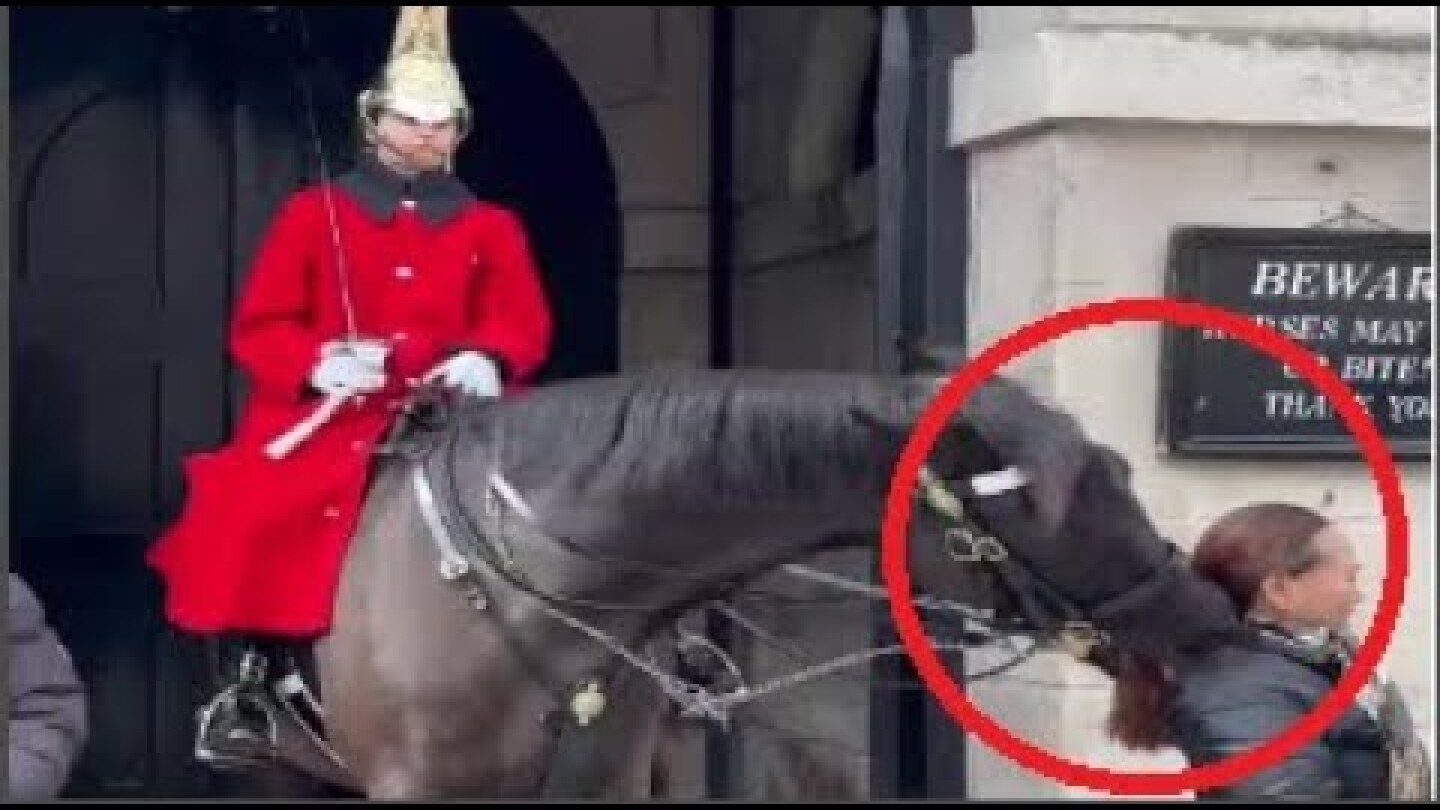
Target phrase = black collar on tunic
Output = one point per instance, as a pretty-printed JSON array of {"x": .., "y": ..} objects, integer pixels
[{"x": 379, "y": 190}]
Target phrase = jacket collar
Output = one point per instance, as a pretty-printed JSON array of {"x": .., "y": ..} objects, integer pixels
[
  {"x": 1329, "y": 652},
  {"x": 380, "y": 190}
]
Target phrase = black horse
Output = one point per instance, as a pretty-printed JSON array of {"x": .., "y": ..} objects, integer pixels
[{"x": 582, "y": 518}]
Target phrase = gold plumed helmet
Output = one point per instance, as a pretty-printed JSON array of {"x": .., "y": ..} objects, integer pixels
[{"x": 419, "y": 80}]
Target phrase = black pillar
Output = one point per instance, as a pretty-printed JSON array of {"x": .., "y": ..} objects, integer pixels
[{"x": 918, "y": 750}]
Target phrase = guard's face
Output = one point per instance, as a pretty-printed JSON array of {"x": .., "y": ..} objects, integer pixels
[{"x": 413, "y": 146}]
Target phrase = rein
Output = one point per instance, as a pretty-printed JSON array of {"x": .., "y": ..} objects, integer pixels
[{"x": 483, "y": 549}]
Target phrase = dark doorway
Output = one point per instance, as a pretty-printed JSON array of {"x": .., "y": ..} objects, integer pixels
[{"x": 149, "y": 148}]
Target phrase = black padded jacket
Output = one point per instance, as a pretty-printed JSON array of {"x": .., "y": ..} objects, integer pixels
[{"x": 1242, "y": 695}]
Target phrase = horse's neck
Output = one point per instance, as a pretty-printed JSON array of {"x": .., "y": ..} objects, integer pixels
[{"x": 759, "y": 487}]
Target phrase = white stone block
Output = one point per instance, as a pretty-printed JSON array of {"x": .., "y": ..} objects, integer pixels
[
  {"x": 1334, "y": 165},
  {"x": 1400, "y": 20},
  {"x": 1002, "y": 26},
  {"x": 1263, "y": 18},
  {"x": 1190, "y": 77}
]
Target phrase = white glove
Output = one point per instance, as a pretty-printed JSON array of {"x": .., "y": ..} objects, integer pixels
[
  {"x": 343, "y": 371},
  {"x": 471, "y": 372}
]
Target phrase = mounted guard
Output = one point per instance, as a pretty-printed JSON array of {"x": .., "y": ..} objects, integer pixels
[{"x": 389, "y": 278}]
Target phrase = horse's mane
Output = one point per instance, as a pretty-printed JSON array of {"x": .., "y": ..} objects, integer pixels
[
  {"x": 724, "y": 437},
  {"x": 754, "y": 436}
]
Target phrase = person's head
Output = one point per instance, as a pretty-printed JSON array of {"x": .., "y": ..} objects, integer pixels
[
  {"x": 415, "y": 114},
  {"x": 1279, "y": 562},
  {"x": 411, "y": 145},
  {"x": 1283, "y": 563}
]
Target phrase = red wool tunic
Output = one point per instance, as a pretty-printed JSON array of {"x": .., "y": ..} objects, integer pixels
[{"x": 259, "y": 543}]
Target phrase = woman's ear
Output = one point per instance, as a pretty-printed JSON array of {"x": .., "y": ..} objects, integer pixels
[{"x": 1275, "y": 595}]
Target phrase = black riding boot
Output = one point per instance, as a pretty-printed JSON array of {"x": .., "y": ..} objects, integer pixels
[
  {"x": 240, "y": 725},
  {"x": 287, "y": 685}
]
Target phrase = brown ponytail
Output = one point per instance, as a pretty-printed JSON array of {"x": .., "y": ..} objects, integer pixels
[
  {"x": 1144, "y": 691},
  {"x": 1238, "y": 551}
]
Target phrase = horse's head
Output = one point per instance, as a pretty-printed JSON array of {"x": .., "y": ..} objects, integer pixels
[{"x": 1019, "y": 512}]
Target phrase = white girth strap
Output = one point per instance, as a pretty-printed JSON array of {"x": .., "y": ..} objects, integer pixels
[
  {"x": 452, "y": 563},
  {"x": 511, "y": 497}
]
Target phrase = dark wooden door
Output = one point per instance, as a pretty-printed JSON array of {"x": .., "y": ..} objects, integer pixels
[
  {"x": 121, "y": 230},
  {"x": 149, "y": 150}
]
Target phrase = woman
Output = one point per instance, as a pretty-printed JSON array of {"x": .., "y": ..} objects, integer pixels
[
  {"x": 1291, "y": 575},
  {"x": 48, "y": 715}
]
